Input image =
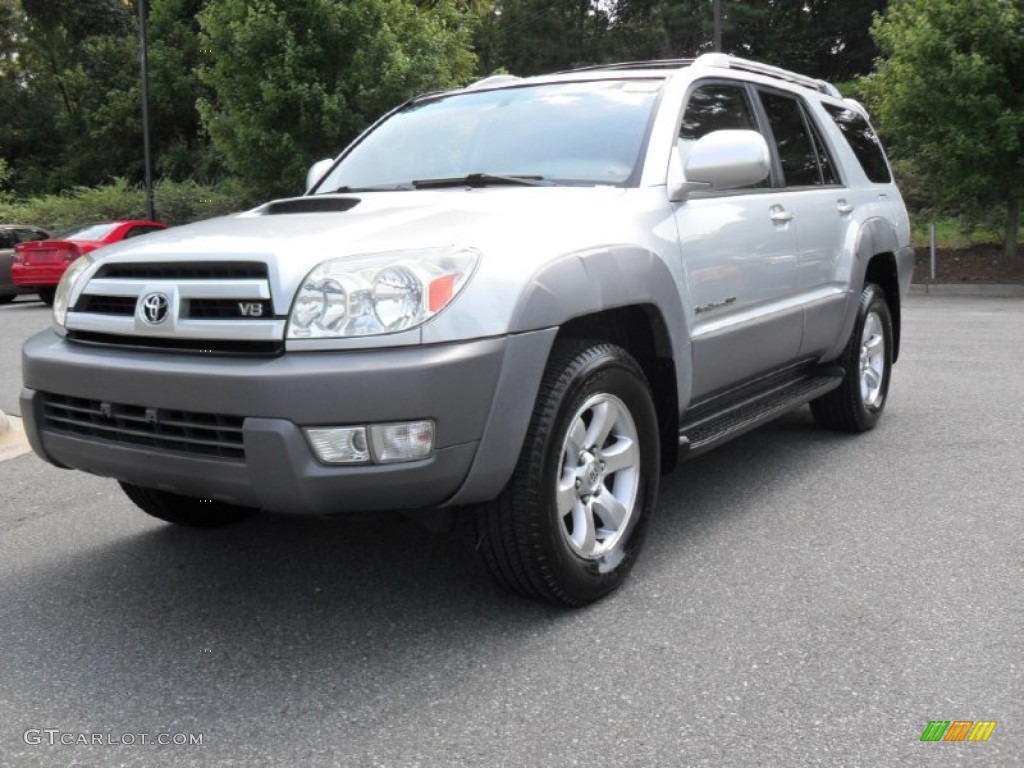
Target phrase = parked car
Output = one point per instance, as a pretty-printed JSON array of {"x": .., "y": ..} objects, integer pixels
[
  {"x": 10, "y": 236},
  {"x": 40, "y": 264},
  {"x": 522, "y": 301}
]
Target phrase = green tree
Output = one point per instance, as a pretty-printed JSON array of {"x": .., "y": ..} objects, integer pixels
[
  {"x": 293, "y": 80},
  {"x": 528, "y": 37},
  {"x": 949, "y": 95}
]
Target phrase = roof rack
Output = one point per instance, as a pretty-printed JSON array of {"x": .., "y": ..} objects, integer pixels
[
  {"x": 724, "y": 61},
  {"x": 653, "y": 64}
]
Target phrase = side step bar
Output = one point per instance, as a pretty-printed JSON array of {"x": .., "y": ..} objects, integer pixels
[{"x": 712, "y": 430}]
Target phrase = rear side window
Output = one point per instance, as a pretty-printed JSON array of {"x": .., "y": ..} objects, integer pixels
[
  {"x": 863, "y": 142},
  {"x": 805, "y": 163}
]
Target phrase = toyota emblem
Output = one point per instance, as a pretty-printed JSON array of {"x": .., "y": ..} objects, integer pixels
[{"x": 154, "y": 308}]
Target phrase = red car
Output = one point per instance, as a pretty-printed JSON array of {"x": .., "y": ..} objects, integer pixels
[{"x": 39, "y": 265}]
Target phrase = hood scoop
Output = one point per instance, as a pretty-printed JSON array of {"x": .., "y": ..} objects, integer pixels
[{"x": 312, "y": 205}]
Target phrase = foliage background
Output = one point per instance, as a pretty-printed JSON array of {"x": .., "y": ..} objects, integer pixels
[{"x": 246, "y": 94}]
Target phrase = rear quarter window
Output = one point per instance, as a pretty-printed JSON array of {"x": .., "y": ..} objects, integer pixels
[{"x": 863, "y": 141}]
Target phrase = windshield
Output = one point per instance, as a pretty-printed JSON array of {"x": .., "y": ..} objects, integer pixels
[
  {"x": 87, "y": 232},
  {"x": 567, "y": 133}
]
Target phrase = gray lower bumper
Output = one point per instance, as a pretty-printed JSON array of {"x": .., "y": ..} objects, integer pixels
[{"x": 480, "y": 395}]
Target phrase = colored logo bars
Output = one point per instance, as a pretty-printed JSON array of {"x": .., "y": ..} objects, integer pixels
[{"x": 958, "y": 730}]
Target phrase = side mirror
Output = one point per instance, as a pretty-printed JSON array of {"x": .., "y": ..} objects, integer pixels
[
  {"x": 317, "y": 171},
  {"x": 726, "y": 159}
]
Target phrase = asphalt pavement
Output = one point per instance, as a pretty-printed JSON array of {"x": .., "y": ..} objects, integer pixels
[{"x": 805, "y": 599}]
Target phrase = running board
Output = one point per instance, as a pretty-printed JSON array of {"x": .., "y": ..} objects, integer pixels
[{"x": 712, "y": 430}]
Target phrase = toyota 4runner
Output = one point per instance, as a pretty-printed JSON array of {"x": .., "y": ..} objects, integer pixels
[{"x": 526, "y": 298}]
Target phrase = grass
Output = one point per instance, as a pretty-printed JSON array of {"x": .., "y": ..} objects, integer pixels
[{"x": 950, "y": 233}]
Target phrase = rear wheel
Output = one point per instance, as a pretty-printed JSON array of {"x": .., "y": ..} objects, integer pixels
[
  {"x": 571, "y": 521},
  {"x": 7, "y": 298},
  {"x": 47, "y": 295},
  {"x": 857, "y": 404},
  {"x": 185, "y": 510}
]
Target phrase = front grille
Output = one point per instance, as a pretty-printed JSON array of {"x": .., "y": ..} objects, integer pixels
[
  {"x": 205, "y": 309},
  {"x": 106, "y": 305},
  {"x": 230, "y": 347},
  {"x": 203, "y": 434},
  {"x": 185, "y": 270}
]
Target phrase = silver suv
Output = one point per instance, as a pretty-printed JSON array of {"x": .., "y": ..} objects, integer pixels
[{"x": 525, "y": 300}]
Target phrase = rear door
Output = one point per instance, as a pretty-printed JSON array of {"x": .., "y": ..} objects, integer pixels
[{"x": 812, "y": 193}]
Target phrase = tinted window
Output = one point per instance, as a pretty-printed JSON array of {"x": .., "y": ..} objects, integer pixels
[
  {"x": 863, "y": 142},
  {"x": 827, "y": 167},
  {"x": 715, "y": 107},
  {"x": 28, "y": 235},
  {"x": 6, "y": 241},
  {"x": 136, "y": 231},
  {"x": 793, "y": 140}
]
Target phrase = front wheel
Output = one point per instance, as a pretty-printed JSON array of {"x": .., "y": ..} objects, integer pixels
[
  {"x": 185, "y": 510},
  {"x": 857, "y": 404},
  {"x": 571, "y": 521}
]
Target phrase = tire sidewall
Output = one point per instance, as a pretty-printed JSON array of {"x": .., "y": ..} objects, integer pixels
[
  {"x": 611, "y": 372},
  {"x": 872, "y": 300}
]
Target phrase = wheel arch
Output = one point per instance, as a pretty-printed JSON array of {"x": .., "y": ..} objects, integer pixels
[
  {"x": 875, "y": 262},
  {"x": 640, "y": 330},
  {"x": 627, "y": 296},
  {"x": 882, "y": 271}
]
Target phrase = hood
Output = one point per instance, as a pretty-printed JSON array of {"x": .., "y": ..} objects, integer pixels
[{"x": 489, "y": 219}]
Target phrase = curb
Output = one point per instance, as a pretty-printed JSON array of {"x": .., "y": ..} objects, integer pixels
[
  {"x": 13, "y": 441},
  {"x": 994, "y": 290}
]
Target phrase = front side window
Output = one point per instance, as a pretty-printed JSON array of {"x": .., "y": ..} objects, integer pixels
[
  {"x": 563, "y": 133},
  {"x": 715, "y": 107}
]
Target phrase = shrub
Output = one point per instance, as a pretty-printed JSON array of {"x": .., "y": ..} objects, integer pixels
[{"x": 176, "y": 202}]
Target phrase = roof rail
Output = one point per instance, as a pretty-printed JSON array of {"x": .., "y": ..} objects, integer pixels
[
  {"x": 724, "y": 61},
  {"x": 652, "y": 64}
]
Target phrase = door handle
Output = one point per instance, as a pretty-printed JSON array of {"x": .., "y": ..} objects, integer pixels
[
  {"x": 844, "y": 207},
  {"x": 780, "y": 215}
]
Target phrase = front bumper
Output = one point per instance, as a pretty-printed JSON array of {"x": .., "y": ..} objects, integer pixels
[{"x": 479, "y": 394}]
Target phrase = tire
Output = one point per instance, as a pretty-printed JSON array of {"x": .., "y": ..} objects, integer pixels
[
  {"x": 7, "y": 298},
  {"x": 47, "y": 295},
  {"x": 184, "y": 510},
  {"x": 858, "y": 403},
  {"x": 567, "y": 529}
]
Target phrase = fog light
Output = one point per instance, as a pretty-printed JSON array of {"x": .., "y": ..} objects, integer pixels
[
  {"x": 339, "y": 445},
  {"x": 407, "y": 441}
]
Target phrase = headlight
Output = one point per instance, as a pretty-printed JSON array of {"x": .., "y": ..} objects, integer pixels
[
  {"x": 62, "y": 298},
  {"x": 382, "y": 293}
]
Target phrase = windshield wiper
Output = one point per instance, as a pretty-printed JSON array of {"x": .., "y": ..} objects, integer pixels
[
  {"x": 379, "y": 188},
  {"x": 481, "y": 180}
]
